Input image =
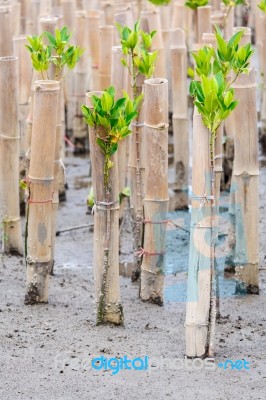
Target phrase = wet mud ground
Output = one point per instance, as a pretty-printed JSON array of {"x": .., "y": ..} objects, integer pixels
[{"x": 46, "y": 349}]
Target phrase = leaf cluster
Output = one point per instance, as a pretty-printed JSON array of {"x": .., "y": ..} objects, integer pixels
[
  {"x": 160, "y": 2},
  {"x": 194, "y": 4},
  {"x": 114, "y": 116},
  {"x": 58, "y": 50},
  {"x": 234, "y": 3},
  {"x": 136, "y": 43},
  {"x": 262, "y": 5}
]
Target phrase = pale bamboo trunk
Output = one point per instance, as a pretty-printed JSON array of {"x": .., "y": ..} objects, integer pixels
[
  {"x": 48, "y": 24},
  {"x": 119, "y": 78},
  {"x": 68, "y": 10},
  {"x": 180, "y": 123},
  {"x": 136, "y": 174},
  {"x": 150, "y": 21},
  {"x": 106, "y": 232},
  {"x": 25, "y": 76},
  {"x": 41, "y": 186},
  {"x": 9, "y": 156},
  {"x": 182, "y": 19},
  {"x": 6, "y": 47},
  {"x": 200, "y": 293},
  {"x": 16, "y": 10},
  {"x": 80, "y": 130},
  {"x": 156, "y": 190},
  {"x": 95, "y": 20},
  {"x": 105, "y": 55},
  {"x": 261, "y": 46},
  {"x": 203, "y": 22},
  {"x": 244, "y": 207}
]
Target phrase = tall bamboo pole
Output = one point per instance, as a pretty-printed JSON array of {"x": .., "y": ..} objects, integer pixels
[
  {"x": 201, "y": 250},
  {"x": 105, "y": 55},
  {"x": 95, "y": 20},
  {"x": 106, "y": 231},
  {"x": 6, "y": 48},
  {"x": 203, "y": 21},
  {"x": 25, "y": 76},
  {"x": 180, "y": 122},
  {"x": 244, "y": 207},
  {"x": 156, "y": 189},
  {"x": 41, "y": 186},
  {"x": 80, "y": 130},
  {"x": 9, "y": 156}
]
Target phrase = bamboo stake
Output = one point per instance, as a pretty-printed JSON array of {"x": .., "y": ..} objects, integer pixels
[
  {"x": 25, "y": 76},
  {"x": 9, "y": 156},
  {"x": 106, "y": 231},
  {"x": 180, "y": 123},
  {"x": 94, "y": 23},
  {"x": 201, "y": 250},
  {"x": 80, "y": 130},
  {"x": 6, "y": 48},
  {"x": 203, "y": 21},
  {"x": 41, "y": 183},
  {"x": 16, "y": 10},
  {"x": 136, "y": 174},
  {"x": 156, "y": 189},
  {"x": 244, "y": 207},
  {"x": 105, "y": 55}
]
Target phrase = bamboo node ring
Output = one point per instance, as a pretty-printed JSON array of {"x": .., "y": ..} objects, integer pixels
[
  {"x": 5, "y": 137},
  {"x": 159, "y": 126}
]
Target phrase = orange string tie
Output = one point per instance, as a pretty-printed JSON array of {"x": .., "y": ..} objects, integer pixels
[{"x": 141, "y": 252}]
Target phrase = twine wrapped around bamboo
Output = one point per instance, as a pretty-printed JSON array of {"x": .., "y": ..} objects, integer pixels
[
  {"x": 106, "y": 231},
  {"x": 41, "y": 186},
  {"x": 6, "y": 47},
  {"x": 105, "y": 55},
  {"x": 244, "y": 206},
  {"x": 9, "y": 156},
  {"x": 180, "y": 123},
  {"x": 80, "y": 130},
  {"x": 156, "y": 189},
  {"x": 201, "y": 249}
]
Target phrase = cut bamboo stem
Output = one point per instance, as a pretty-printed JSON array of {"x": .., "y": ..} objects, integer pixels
[
  {"x": 201, "y": 302},
  {"x": 203, "y": 21},
  {"x": 9, "y": 156},
  {"x": 180, "y": 124},
  {"x": 156, "y": 190},
  {"x": 105, "y": 55},
  {"x": 41, "y": 186},
  {"x": 106, "y": 231},
  {"x": 94, "y": 23},
  {"x": 6, "y": 46},
  {"x": 244, "y": 207}
]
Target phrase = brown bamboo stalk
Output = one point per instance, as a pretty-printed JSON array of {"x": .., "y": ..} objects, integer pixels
[
  {"x": 106, "y": 43},
  {"x": 201, "y": 254},
  {"x": 25, "y": 76},
  {"x": 244, "y": 208},
  {"x": 80, "y": 130},
  {"x": 106, "y": 231},
  {"x": 203, "y": 21},
  {"x": 9, "y": 156},
  {"x": 95, "y": 19},
  {"x": 41, "y": 186},
  {"x": 180, "y": 123},
  {"x": 6, "y": 47},
  {"x": 156, "y": 189}
]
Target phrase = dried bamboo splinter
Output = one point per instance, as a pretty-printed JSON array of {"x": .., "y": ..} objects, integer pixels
[
  {"x": 9, "y": 155},
  {"x": 106, "y": 231},
  {"x": 41, "y": 184},
  {"x": 156, "y": 189}
]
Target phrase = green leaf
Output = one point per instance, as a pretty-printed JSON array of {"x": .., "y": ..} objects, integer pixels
[{"x": 107, "y": 101}]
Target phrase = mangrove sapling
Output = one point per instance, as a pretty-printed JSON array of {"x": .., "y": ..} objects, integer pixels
[
  {"x": 140, "y": 64},
  {"x": 109, "y": 122},
  {"x": 193, "y": 5},
  {"x": 214, "y": 100},
  {"x": 228, "y": 19}
]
